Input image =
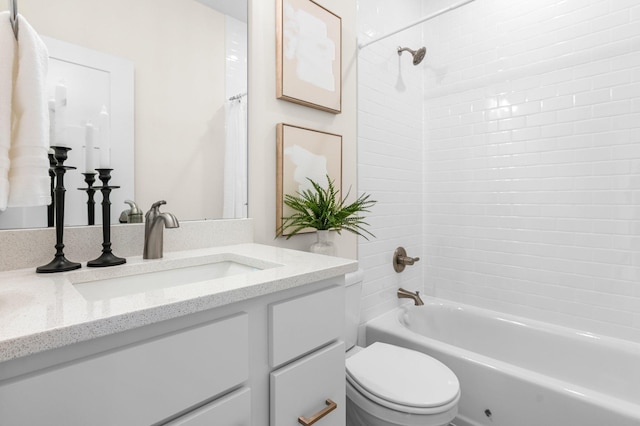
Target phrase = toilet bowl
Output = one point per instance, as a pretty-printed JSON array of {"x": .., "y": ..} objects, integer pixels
[
  {"x": 388, "y": 385},
  {"x": 392, "y": 386}
]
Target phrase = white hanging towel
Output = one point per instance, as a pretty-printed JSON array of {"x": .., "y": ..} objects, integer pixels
[
  {"x": 7, "y": 56},
  {"x": 29, "y": 165}
]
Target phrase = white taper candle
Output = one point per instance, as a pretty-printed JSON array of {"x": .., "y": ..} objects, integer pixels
[
  {"x": 52, "y": 122},
  {"x": 61, "y": 114},
  {"x": 105, "y": 142},
  {"x": 89, "y": 144}
]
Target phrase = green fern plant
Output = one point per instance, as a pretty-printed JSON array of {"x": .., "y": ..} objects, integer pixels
[{"x": 323, "y": 209}]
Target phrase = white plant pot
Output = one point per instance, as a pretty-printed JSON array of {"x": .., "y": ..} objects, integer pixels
[{"x": 323, "y": 245}]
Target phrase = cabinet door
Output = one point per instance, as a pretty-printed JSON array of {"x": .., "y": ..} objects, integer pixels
[
  {"x": 140, "y": 384},
  {"x": 304, "y": 387},
  {"x": 231, "y": 410}
]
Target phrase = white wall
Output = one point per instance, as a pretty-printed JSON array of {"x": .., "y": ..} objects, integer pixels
[
  {"x": 265, "y": 111},
  {"x": 532, "y": 184},
  {"x": 389, "y": 150}
]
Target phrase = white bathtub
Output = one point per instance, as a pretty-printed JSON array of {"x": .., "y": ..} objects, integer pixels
[{"x": 519, "y": 372}]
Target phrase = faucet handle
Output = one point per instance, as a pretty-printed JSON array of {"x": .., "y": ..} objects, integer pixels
[
  {"x": 154, "y": 211},
  {"x": 401, "y": 260},
  {"x": 157, "y": 204}
]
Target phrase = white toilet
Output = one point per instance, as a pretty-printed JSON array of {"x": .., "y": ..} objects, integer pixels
[{"x": 389, "y": 385}]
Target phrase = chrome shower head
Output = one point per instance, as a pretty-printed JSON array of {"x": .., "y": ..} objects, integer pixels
[{"x": 418, "y": 55}]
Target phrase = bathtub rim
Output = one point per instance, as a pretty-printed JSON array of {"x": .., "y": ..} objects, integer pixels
[
  {"x": 531, "y": 323},
  {"x": 391, "y": 323}
]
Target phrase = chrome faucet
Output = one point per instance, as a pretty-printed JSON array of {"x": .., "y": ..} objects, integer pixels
[
  {"x": 155, "y": 222},
  {"x": 406, "y": 294}
]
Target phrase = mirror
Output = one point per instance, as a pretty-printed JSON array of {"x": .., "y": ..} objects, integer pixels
[{"x": 187, "y": 120}]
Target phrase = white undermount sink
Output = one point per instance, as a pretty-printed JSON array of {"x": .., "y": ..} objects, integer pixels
[{"x": 134, "y": 283}]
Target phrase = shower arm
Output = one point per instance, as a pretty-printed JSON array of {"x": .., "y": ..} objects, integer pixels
[{"x": 405, "y": 49}]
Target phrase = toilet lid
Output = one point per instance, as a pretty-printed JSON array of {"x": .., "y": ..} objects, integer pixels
[{"x": 403, "y": 376}]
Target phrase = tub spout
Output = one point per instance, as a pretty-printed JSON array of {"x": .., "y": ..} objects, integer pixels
[{"x": 406, "y": 294}]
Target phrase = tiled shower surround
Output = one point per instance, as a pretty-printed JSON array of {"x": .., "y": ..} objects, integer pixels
[
  {"x": 390, "y": 146},
  {"x": 529, "y": 184}
]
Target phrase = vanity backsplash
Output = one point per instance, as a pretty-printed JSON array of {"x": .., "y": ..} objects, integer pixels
[{"x": 26, "y": 248}]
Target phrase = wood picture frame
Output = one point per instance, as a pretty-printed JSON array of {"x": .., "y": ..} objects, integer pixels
[
  {"x": 309, "y": 55},
  {"x": 304, "y": 153}
]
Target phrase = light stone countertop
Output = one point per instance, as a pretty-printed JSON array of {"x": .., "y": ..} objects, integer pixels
[{"x": 46, "y": 311}]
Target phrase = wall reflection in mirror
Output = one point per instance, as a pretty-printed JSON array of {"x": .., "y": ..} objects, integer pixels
[{"x": 156, "y": 90}]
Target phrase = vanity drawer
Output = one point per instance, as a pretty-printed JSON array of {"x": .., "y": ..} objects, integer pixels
[
  {"x": 302, "y": 324},
  {"x": 308, "y": 386},
  {"x": 139, "y": 384},
  {"x": 233, "y": 409}
]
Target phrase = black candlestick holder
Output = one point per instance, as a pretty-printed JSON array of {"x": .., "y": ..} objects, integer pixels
[
  {"x": 107, "y": 258},
  {"x": 90, "y": 179},
  {"x": 52, "y": 175},
  {"x": 59, "y": 262}
]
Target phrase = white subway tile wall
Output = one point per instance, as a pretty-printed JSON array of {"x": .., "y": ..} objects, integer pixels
[
  {"x": 390, "y": 132},
  {"x": 531, "y": 159},
  {"x": 532, "y": 139},
  {"x": 235, "y": 56}
]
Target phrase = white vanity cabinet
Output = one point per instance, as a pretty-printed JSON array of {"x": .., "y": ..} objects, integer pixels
[
  {"x": 305, "y": 345},
  {"x": 139, "y": 384},
  {"x": 264, "y": 361},
  {"x": 232, "y": 410},
  {"x": 312, "y": 388}
]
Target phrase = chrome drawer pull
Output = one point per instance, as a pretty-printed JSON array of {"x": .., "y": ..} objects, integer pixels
[{"x": 320, "y": 414}]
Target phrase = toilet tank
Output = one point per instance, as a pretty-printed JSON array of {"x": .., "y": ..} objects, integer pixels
[{"x": 353, "y": 290}]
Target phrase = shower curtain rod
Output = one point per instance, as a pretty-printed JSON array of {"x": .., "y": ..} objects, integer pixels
[
  {"x": 419, "y": 21},
  {"x": 13, "y": 16},
  {"x": 238, "y": 96}
]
